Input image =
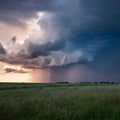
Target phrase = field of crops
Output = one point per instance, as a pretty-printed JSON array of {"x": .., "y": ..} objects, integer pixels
[{"x": 60, "y": 101}]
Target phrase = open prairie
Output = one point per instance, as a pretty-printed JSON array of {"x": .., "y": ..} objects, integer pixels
[{"x": 83, "y": 101}]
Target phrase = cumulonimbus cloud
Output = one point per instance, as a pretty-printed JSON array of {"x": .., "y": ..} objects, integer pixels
[{"x": 83, "y": 28}]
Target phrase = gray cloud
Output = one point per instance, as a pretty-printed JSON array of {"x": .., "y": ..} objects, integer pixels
[
  {"x": 35, "y": 50},
  {"x": 9, "y": 70},
  {"x": 14, "y": 39},
  {"x": 100, "y": 14},
  {"x": 2, "y": 50},
  {"x": 18, "y": 12},
  {"x": 79, "y": 31}
]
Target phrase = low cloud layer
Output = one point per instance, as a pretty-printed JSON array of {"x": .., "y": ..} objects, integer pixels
[{"x": 9, "y": 70}]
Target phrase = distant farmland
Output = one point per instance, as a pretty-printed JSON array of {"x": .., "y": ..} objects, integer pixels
[{"x": 60, "y": 101}]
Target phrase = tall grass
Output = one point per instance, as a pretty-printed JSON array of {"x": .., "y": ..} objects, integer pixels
[{"x": 59, "y": 102}]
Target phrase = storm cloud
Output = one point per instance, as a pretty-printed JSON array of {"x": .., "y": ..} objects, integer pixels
[
  {"x": 64, "y": 33},
  {"x": 100, "y": 14},
  {"x": 2, "y": 50},
  {"x": 36, "y": 50}
]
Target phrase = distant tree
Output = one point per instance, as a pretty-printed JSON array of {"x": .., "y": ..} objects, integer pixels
[{"x": 96, "y": 82}]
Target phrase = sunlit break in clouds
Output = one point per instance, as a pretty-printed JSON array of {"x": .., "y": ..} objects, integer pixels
[{"x": 59, "y": 41}]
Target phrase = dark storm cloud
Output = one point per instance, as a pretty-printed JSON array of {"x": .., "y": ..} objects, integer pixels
[
  {"x": 35, "y": 50},
  {"x": 16, "y": 12},
  {"x": 25, "y": 5},
  {"x": 87, "y": 25},
  {"x": 79, "y": 16},
  {"x": 90, "y": 27},
  {"x": 107, "y": 60},
  {"x": 81, "y": 22},
  {"x": 2, "y": 50}
]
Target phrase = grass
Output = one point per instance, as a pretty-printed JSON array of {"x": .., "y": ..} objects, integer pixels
[{"x": 59, "y": 101}]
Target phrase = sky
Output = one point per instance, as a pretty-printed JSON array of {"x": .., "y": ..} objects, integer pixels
[{"x": 59, "y": 41}]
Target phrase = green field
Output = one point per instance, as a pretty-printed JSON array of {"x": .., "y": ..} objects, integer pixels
[{"x": 60, "y": 101}]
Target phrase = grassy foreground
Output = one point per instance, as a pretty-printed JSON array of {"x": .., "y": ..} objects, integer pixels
[{"x": 59, "y": 102}]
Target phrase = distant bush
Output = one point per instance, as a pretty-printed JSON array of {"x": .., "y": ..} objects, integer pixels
[
  {"x": 63, "y": 82},
  {"x": 106, "y": 82},
  {"x": 86, "y": 82},
  {"x": 96, "y": 82}
]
